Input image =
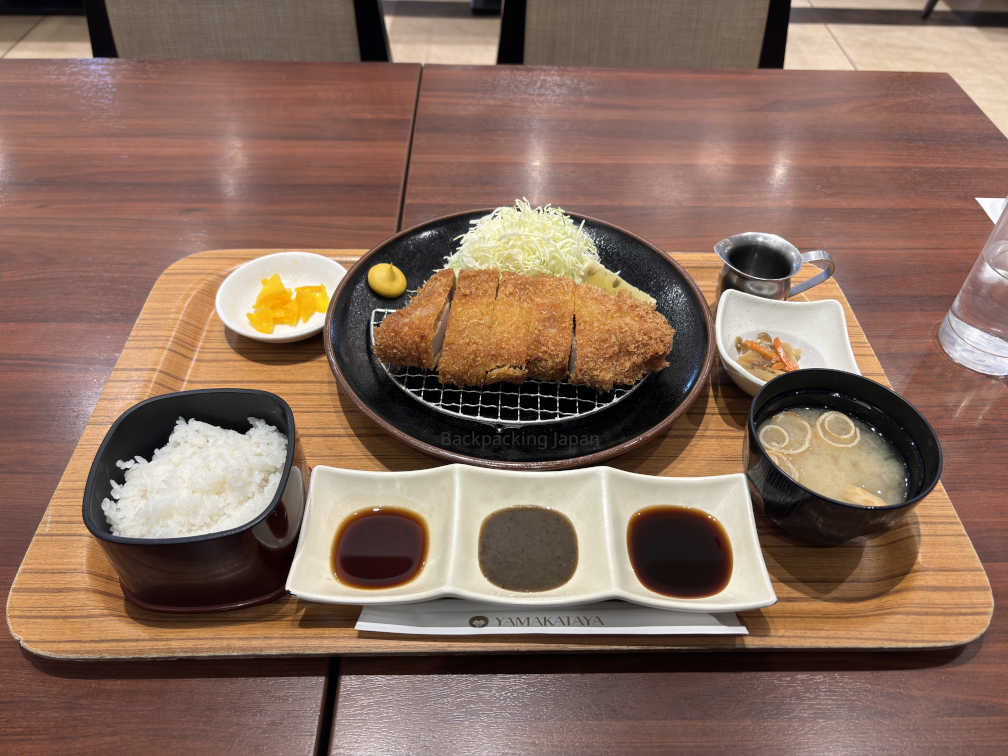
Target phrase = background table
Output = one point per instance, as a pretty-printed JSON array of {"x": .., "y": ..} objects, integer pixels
[
  {"x": 879, "y": 168},
  {"x": 110, "y": 171}
]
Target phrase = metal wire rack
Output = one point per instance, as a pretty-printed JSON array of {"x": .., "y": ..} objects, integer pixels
[{"x": 503, "y": 405}]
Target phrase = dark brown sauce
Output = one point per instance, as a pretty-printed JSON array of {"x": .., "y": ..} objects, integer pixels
[
  {"x": 757, "y": 260},
  {"x": 527, "y": 549},
  {"x": 679, "y": 552},
  {"x": 379, "y": 548}
]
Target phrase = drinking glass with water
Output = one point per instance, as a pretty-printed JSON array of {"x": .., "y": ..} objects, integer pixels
[{"x": 975, "y": 330}]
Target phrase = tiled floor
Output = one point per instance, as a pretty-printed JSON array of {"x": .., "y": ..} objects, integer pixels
[
  {"x": 44, "y": 37},
  {"x": 823, "y": 35}
]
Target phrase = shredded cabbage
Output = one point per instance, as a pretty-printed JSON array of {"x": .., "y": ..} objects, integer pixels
[{"x": 525, "y": 239}]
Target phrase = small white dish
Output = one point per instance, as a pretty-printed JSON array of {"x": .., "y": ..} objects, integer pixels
[
  {"x": 238, "y": 292},
  {"x": 818, "y": 329},
  {"x": 454, "y": 501}
]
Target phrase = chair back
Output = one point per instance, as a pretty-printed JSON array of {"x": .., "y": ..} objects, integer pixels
[
  {"x": 652, "y": 33},
  {"x": 301, "y": 30}
]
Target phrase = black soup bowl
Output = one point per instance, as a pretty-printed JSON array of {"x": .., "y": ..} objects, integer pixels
[
  {"x": 229, "y": 569},
  {"x": 810, "y": 516}
]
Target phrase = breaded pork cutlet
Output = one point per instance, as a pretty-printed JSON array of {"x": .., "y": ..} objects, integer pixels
[
  {"x": 617, "y": 339},
  {"x": 645, "y": 340},
  {"x": 512, "y": 330},
  {"x": 511, "y": 327},
  {"x": 551, "y": 300},
  {"x": 465, "y": 357},
  {"x": 596, "y": 344},
  {"x": 413, "y": 336}
]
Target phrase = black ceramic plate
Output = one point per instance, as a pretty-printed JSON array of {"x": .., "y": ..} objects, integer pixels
[{"x": 651, "y": 408}]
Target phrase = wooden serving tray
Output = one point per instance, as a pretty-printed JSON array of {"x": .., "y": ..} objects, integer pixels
[{"x": 919, "y": 585}]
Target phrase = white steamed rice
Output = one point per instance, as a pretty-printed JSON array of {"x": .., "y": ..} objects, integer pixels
[{"x": 205, "y": 480}]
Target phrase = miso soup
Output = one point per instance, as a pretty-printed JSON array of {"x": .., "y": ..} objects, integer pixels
[{"x": 835, "y": 455}]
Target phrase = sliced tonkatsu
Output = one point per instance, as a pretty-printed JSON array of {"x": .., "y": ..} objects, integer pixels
[
  {"x": 466, "y": 353},
  {"x": 413, "y": 336},
  {"x": 512, "y": 330},
  {"x": 645, "y": 338},
  {"x": 596, "y": 343},
  {"x": 551, "y": 300},
  {"x": 507, "y": 327},
  {"x": 617, "y": 339}
]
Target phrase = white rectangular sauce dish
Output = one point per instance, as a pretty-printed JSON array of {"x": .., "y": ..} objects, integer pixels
[{"x": 455, "y": 500}]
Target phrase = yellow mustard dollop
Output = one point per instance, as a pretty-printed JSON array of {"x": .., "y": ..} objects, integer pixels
[{"x": 386, "y": 280}]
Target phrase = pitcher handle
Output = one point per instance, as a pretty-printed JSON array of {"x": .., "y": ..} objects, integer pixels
[{"x": 820, "y": 258}]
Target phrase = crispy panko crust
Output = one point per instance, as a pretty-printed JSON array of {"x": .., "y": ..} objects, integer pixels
[
  {"x": 509, "y": 328},
  {"x": 552, "y": 301},
  {"x": 596, "y": 343},
  {"x": 407, "y": 337},
  {"x": 646, "y": 341},
  {"x": 617, "y": 339},
  {"x": 512, "y": 330},
  {"x": 465, "y": 358}
]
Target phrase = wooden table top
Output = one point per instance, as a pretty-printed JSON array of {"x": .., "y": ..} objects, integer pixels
[
  {"x": 110, "y": 171},
  {"x": 880, "y": 169}
]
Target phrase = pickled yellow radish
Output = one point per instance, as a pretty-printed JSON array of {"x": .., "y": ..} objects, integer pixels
[
  {"x": 275, "y": 304},
  {"x": 272, "y": 292}
]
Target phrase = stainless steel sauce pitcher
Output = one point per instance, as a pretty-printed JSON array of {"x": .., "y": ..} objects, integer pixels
[{"x": 763, "y": 264}]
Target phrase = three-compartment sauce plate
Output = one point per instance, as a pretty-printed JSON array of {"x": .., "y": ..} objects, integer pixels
[{"x": 474, "y": 533}]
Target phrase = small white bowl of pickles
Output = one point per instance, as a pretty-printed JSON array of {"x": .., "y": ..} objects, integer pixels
[
  {"x": 276, "y": 298},
  {"x": 758, "y": 338}
]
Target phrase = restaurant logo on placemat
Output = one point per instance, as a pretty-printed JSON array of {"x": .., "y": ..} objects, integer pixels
[{"x": 538, "y": 620}]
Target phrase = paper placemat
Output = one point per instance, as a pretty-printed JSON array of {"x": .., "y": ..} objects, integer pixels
[{"x": 461, "y": 617}]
